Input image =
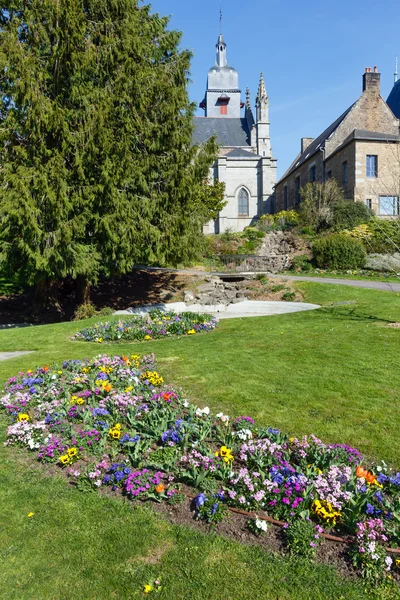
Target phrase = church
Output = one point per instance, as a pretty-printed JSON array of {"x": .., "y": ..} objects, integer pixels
[{"x": 245, "y": 162}]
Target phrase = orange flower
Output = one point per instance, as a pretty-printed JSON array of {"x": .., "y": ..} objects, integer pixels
[
  {"x": 108, "y": 388},
  {"x": 160, "y": 488},
  {"x": 361, "y": 472},
  {"x": 370, "y": 477},
  {"x": 124, "y": 358},
  {"x": 45, "y": 369},
  {"x": 167, "y": 395}
]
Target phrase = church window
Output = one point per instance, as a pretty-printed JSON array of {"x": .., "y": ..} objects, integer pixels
[
  {"x": 223, "y": 109},
  {"x": 243, "y": 198},
  {"x": 312, "y": 173},
  {"x": 344, "y": 172}
]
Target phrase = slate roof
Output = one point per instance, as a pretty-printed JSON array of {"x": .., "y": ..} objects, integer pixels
[
  {"x": 229, "y": 132},
  {"x": 240, "y": 153},
  {"x": 393, "y": 100},
  {"x": 316, "y": 144}
]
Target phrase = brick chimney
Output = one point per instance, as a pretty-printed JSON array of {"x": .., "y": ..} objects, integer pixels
[
  {"x": 305, "y": 142},
  {"x": 372, "y": 80}
]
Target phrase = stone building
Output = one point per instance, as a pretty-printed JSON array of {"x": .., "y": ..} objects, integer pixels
[
  {"x": 245, "y": 163},
  {"x": 360, "y": 150}
]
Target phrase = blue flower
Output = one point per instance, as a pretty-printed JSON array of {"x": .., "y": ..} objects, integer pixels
[
  {"x": 370, "y": 509},
  {"x": 214, "y": 508},
  {"x": 200, "y": 499},
  {"x": 378, "y": 496}
]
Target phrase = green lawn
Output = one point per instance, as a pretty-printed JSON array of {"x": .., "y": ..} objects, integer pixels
[
  {"x": 333, "y": 372},
  {"x": 392, "y": 278}
]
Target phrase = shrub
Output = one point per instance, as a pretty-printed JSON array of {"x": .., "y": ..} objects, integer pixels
[
  {"x": 88, "y": 310},
  {"x": 339, "y": 251},
  {"x": 285, "y": 219},
  {"x": 317, "y": 201},
  {"x": 347, "y": 214},
  {"x": 303, "y": 538},
  {"x": 85, "y": 311},
  {"x": 301, "y": 263},
  {"x": 385, "y": 236},
  {"x": 288, "y": 296}
]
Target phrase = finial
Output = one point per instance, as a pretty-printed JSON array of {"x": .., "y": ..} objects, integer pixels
[
  {"x": 220, "y": 20},
  {"x": 396, "y": 69},
  {"x": 248, "y": 103},
  {"x": 262, "y": 92}
]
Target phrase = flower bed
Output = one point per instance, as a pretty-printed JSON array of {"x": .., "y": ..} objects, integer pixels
[
  {"x": 156, "y": 324},
  {"x": 112, "y": 421}
]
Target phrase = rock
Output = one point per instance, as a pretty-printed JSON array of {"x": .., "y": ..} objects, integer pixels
[
  {"x": 188, "y": 296},
  {"x": 205, "y": 288}
]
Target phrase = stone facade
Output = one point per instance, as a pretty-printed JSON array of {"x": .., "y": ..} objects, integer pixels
[
  {"x": 367, "y": 129},
  {"x": 245, "y": 163}
]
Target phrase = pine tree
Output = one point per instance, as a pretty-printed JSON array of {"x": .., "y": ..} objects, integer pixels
[{"x": 97, "y": 169}]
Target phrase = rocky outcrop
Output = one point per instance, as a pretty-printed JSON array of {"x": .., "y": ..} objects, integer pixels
[
  {"x": 216, "y": 291},
  {"x": 277, "y": 249}
]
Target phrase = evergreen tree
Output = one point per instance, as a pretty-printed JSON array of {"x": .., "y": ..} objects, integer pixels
[{"x": 97, "y": 170}]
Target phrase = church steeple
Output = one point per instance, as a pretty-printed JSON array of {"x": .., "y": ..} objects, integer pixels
[
  {"x": 223, "y": 93},
  {"x": 221, "y": 52},
  {"x": 263, "y": 139}
]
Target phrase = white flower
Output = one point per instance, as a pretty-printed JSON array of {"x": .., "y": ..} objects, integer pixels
[
  {"x": 185, "y": 404},
  {"x": 200, "y": 412},
  {"x": 244, "y": 434},
  {"x": 388, "y": 561},
  {"x": 260, "y": 524}
]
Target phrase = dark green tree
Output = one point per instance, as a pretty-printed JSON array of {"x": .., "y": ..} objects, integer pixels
[{"x": 97, "y": 169}]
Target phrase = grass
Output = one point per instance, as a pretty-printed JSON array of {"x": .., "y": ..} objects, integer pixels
[
  {"x": 333, "y": 372},
  {"x": 335, "y": 275}
]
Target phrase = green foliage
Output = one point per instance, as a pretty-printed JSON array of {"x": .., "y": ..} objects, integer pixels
[
  {"x": 88, "y": 310},
  {"x": 339, "y": 251},
  {"x": 98, "y": 170},
  {"x": 288, "y": 296},
  {"x": 301, "y": 263},
  {"x": 317, "y": 202},
  {"x": 229, "y": 242},
  {"x": 347, "y": 214},
  {"x": 285, "y": 219},
  {"x": 302, "y": 538},
  {"x": 384, "y": 236}
]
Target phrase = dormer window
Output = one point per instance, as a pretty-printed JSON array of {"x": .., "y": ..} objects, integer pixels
[{"x": 223, "y": 102}]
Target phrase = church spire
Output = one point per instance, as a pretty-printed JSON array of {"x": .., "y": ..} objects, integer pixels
[
  {"x": 221, "y": 51},
  {"x": 396, "y": 70},
  {"x": 262, "y": 97}
]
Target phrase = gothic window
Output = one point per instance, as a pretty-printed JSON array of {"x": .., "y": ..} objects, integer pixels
[{"x": 243, "y": 198}]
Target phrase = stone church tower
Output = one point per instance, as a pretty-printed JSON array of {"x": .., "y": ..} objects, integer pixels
[{"x": 245, "y": 163}]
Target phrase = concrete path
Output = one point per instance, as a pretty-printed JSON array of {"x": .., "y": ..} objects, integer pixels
[
  {"x": 360, "y": 283},
  {"x": 7, "y": 355},
  {"x": 247, "y": 308}
]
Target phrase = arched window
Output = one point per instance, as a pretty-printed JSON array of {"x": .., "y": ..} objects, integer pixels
[{"x": 243, "y": 202}]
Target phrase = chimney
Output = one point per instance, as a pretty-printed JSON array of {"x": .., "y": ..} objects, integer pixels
[
  {"x": 372, "y": 80},
  {"x": 305, "y": 142}
]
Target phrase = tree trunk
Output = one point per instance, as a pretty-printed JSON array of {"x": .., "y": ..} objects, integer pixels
[
  {"x": 82, "y": 290},
  {"x": 46, "y": 300}
]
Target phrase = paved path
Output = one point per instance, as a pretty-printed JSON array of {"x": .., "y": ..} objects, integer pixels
[
  {"x": 246, "y": 308},
  {"x": 360, "y": 283},
  {"x": 7, "y": 355}
]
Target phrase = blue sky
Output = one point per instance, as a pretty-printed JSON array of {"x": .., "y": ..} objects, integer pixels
[{"x": 312, "y": 53}]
